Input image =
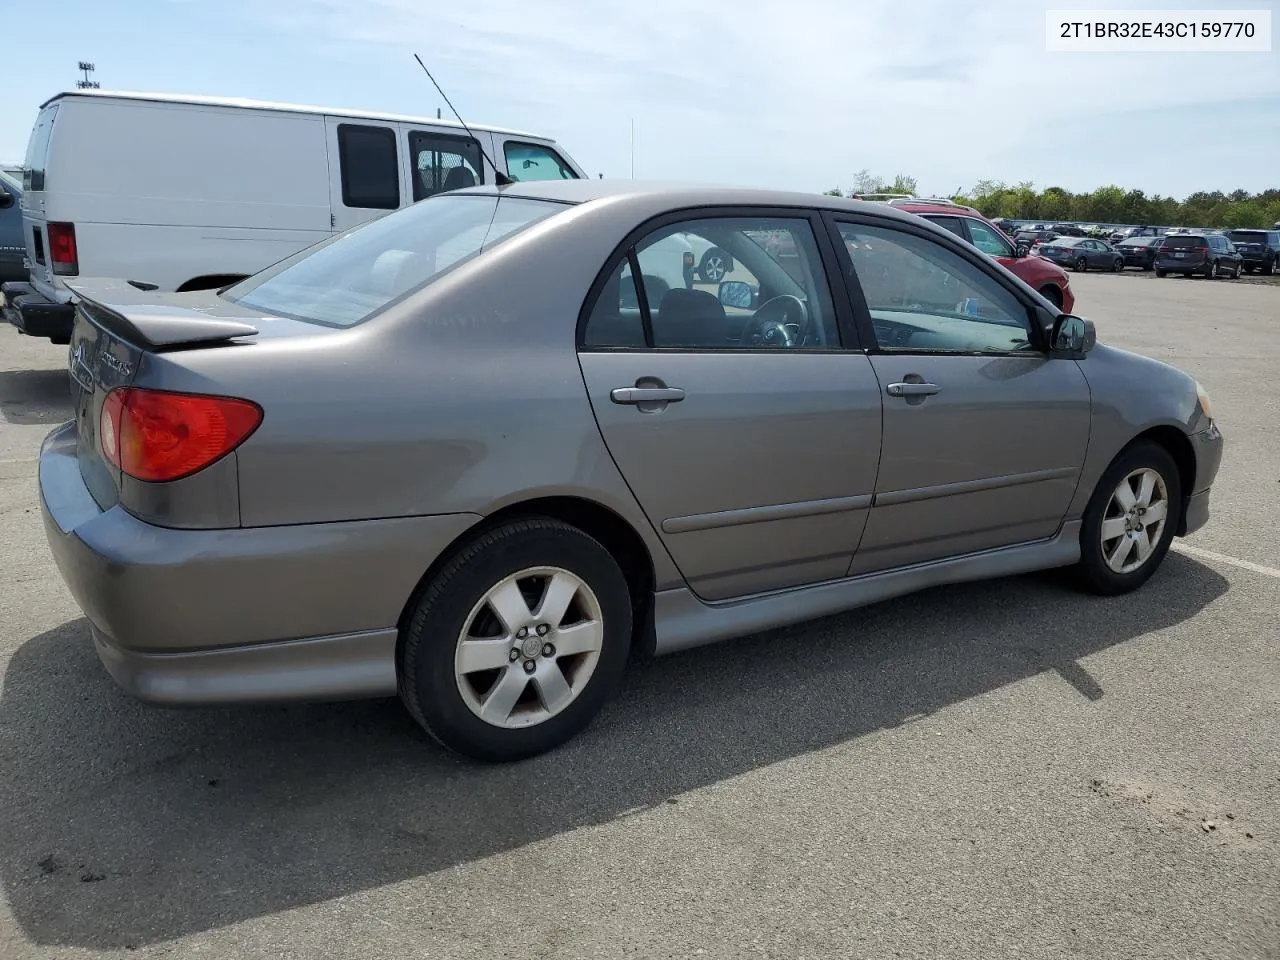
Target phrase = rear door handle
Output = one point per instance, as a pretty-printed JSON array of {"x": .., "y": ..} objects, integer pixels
[
  {"x": 912, "y": 389},
  {"x": 646, "y": 395}
]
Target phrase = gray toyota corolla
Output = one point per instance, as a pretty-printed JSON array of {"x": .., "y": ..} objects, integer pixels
[{"x": 477, "y": 451}]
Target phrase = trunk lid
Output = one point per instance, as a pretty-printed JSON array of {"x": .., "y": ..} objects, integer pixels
[{"x": 115, "y": 328}]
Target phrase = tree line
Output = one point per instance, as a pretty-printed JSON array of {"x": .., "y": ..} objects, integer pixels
[{"x": 1109, "y": 204}]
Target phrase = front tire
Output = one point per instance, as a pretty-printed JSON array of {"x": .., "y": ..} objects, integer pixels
[
  {"x": 1052, "y": 294},
  {"x": 517, "y": 642},
  {"x": 1130, "y": 521},
  {"x": 1118, "y": 266}
]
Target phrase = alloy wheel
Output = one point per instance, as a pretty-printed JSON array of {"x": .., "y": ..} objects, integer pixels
[
  {"x": 529, "y": 647},
  {"x": 1134, "y": 520}
]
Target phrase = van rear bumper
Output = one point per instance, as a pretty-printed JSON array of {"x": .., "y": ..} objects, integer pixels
[{"x": 35, "y": 315}]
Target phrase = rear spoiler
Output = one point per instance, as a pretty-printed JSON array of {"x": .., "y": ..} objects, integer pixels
[{"x": 157, "y": 327}]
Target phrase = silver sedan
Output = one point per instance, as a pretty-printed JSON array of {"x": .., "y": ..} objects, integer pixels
[{"x": 478, "y": 452}]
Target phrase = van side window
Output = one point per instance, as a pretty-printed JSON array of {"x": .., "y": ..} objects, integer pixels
[
  {"x": 442, "y": 162},
  {"x": 532, "y": 161},
  {"x": 370, "y": 170}
]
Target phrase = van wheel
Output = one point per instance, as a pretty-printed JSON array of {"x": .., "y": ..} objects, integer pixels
[
  {"x": 1130, "y": 521},
  {"x": 1268, "y": 268},
  {"x": 715, "y": 265},
  {"x": 1161, "y": 273},
  {"x": 517, "y": 642}
]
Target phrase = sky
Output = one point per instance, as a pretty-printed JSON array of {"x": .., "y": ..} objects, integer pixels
[{"x": 799, "y": 94}]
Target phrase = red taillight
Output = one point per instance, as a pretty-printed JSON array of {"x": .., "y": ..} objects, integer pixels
[
  {"x": 62, "y": 249},
  {"x": 157, "y": 436}
]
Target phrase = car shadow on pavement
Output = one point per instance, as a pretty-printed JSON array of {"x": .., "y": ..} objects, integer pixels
[
  {"x": 127, "y": 825},
  {"x": 35, "y": 396}
]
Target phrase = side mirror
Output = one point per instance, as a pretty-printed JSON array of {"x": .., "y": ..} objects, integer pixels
[
  {"x": 1072, "y": 337},
  {"x": 737, "y": 293},
  {"x": 6, "y": 199},
  {"x": 1021, "y": 249}
]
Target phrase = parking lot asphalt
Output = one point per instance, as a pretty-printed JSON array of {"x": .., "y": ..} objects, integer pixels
[{"x": 987, "y": 770}]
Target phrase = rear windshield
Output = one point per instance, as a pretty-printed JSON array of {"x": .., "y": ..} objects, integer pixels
[
  {"x": 33, "y": 167},
  {"x": 348, "y": 278},
  {"x": 1066, "y": 241},
  {"x": 1247, "y": 236},
  {"x": 1184, "y": 242},
  {"x": 1138, "y": 242}
]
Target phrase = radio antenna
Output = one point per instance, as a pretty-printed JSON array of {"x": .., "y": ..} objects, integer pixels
[{"x": 500, "y": 178}]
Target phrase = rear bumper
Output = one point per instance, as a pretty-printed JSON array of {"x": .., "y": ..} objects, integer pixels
[
  {"x": 237, "y": 615},
  {"x": 35, "y": 315},
  {"x": 1182, "y": 266}
]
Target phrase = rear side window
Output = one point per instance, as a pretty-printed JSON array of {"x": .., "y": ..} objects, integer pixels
[
  {"x": 949, "y": 223},
  {"x": 443, "y": 162},
  {"x": 370, "y": 170},
  {"x": 33, "y": 174},
  {"x": 532, "y": 161}
]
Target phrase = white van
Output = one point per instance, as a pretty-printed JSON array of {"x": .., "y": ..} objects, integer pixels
[{"x": 192, "y": 193}]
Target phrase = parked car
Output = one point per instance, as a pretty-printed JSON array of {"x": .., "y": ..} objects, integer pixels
[
  {"x": 1082, "y": 253},
  {"x": 968, "y": 224},
  {"x": 192, "y": 193},
  {"x": 1258, "y": 249},
  {"x": 1139, "y": 251},
  {"x": 1204, "y": 254},
  {"x": 491, "y": 545},
  {"x": 12, "y": 249},
  {"x": 1068, "y": 230}
]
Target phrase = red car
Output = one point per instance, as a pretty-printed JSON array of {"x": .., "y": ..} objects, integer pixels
[{"x": 1049, "y": 279}]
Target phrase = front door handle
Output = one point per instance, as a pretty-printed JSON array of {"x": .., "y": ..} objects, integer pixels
[
  {"x": 646, "y": 395},
  {"x": 912, "y": 389}
]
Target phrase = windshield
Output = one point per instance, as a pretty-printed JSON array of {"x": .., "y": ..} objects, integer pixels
[
  {"x": 1184, "y": 242},
  {"x": 348, "y": 278}
]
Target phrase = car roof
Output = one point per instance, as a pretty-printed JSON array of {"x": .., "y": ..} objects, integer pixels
[
  {"x": 681, "y": 194},
  {"x": 271, "y": 105},
  {"x": 954, "y": 210}
]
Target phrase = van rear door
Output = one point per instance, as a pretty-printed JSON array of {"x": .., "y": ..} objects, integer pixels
[{"x": 34, "y": 185}]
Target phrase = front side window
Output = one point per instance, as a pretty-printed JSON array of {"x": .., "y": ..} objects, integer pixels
[
  {"x": 923, "y": 298},
  {"x": 443, "y": 162},
  {"x": 531, "y": 161},
  {"x": 772, "y": 291},
  {"x": 347, "y": 278},
  {"x": 369, "y": 166},
  {"x": 987, "y": 240}
]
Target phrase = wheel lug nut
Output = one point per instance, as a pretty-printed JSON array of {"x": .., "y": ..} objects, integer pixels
[
  {"x": 522, "y": 632},
  {"x": 530, "y": 666},
  {"x": 548, "y": 650},
  {"x": 543, "y": 629},
  {"x": 515, "y": 655}
]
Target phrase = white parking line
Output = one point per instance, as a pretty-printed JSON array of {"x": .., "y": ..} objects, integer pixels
[{"x": 1223, "y": 558}]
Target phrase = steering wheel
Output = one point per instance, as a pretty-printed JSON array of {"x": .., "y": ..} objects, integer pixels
[{"x": 780, "y": 322}]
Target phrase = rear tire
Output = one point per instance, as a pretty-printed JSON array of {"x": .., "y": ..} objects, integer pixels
[
  {"x": 1112, "y": 538},
  {"x": 1214, "y": 271},
  {"x": 1161, "y": 273},
  {"x": 715, "y": 265},
  {"x": 545, "y": 696},
  {"x": 1081, "y": 265},
  {"x": 1268, "y": 268}
]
